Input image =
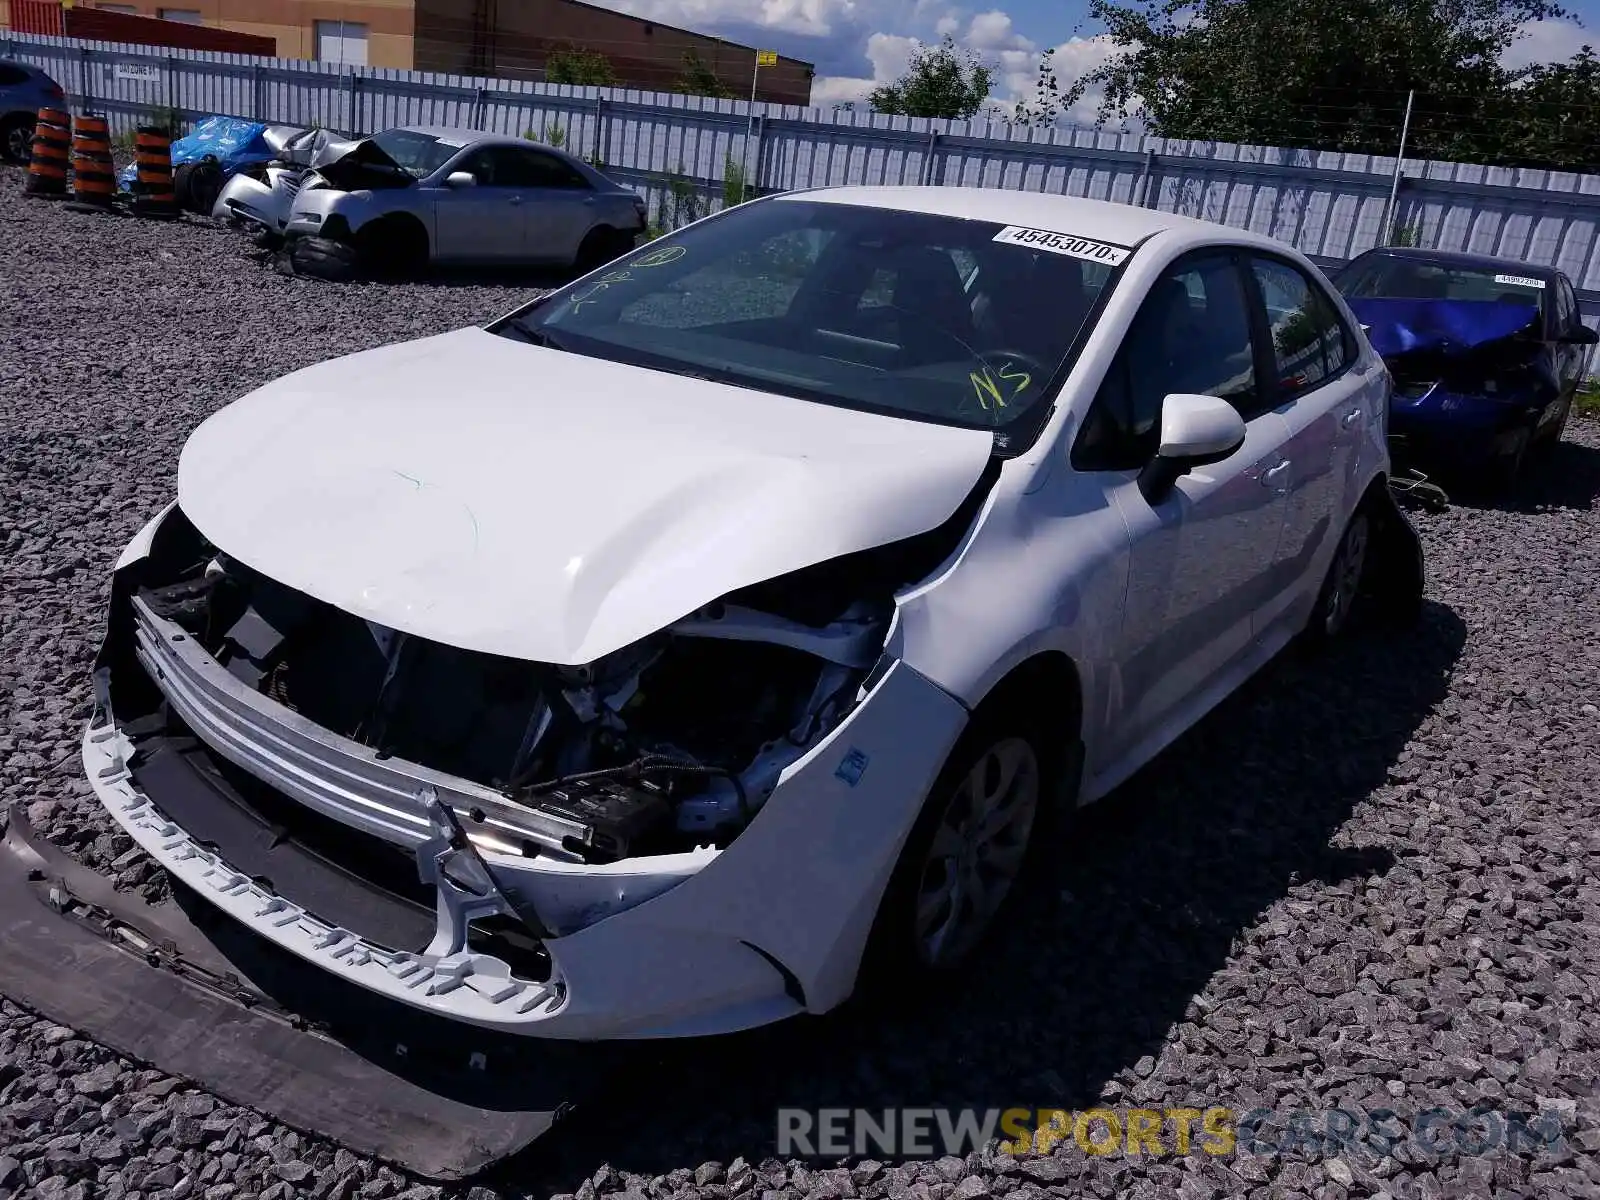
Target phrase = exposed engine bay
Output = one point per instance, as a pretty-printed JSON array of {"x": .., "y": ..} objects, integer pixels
[{"x": 673, "y": 742}]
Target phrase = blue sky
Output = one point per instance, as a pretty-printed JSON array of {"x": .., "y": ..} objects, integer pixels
[{"x": 858, "y": 43}]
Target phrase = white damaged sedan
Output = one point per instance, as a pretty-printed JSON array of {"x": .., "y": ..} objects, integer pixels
[{"x": 660, "y": 657}]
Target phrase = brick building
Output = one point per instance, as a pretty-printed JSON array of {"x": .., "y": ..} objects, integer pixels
[{"x": 505, "y": 38}]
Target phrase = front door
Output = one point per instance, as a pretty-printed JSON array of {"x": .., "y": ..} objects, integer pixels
[{"x": 1200, "y": 557}]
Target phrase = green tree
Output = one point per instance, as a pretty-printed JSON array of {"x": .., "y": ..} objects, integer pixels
[
  {"x": 580, "y": 67},
  {"x": 941, "y": 81},
  {"x": 1554, "y": 115},
  {"x": 1332, "y": 75},
  {"x": 698, "y": 79}
]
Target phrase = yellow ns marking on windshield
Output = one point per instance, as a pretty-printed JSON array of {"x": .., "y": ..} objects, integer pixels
[
  {"x": 987, "y": 388},
  {"x": 1024, "y": 380}
]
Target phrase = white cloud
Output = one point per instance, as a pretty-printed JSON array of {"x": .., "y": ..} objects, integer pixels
[
  {"x": 814, "y": 18},
  {"x": 1545, "y": 41},
  {"x": 993, "y": 37}
]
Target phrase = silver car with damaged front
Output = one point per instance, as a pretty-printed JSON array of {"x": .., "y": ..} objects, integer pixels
[{"x": 429, "y": 195}]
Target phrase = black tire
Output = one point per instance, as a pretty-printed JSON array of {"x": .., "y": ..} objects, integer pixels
[
  {"x": 897, "y": 961},
  {"x": 601, "y": 246},
  {"x": 323, "y": 258},
  {"x": 196, "y": 185},
  {"x": 393, "y": 247},
  {"x": 16, "y": 138},
  {"x": 1344, "y": 582},
  {"x": 1506, "y": 470}
]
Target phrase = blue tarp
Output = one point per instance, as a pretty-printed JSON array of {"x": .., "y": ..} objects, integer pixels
[
  {"x": 1398, "y": 325},
  {"x": 233, "y": 142}
]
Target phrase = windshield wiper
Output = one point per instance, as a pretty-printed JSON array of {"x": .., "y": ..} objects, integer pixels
[{"x": 538, "y": 335}]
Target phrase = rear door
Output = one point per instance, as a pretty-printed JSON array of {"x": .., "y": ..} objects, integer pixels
[
  {"x": 486, "y": 223},
  {"x": 1201, "y": 556},
  {"x": 563, "y": 207},
  {"x": 1309, "y": 353}
]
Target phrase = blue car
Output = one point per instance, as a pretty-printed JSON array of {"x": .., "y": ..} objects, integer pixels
[
  {"x": 1486, "y": 355},
  {"x": 24, "y": 90}
]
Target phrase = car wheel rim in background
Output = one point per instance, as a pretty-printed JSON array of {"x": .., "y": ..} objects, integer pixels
[{"x": 977, "y": 852}]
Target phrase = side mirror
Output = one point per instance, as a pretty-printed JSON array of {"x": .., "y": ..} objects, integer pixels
[
  {"x": 460, "y": 179},
  {"x": 1580, "y": 335},
  {"x": 1195, "y": 431}
]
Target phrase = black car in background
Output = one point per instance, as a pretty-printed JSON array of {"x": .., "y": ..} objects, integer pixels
[{"x": 1486, "y": 353}]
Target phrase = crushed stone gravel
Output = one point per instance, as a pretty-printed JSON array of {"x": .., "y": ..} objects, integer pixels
[{"x": 1367, "y": 881}]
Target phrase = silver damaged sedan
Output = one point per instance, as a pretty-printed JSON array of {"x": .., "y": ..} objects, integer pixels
[{"x": 410, "y": 197}]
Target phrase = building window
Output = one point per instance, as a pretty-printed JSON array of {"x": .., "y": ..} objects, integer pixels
[
  {"x": 184, "y": 16},
  {"x": 131, "y": 9},
  {"x": 342, "y": 42}
]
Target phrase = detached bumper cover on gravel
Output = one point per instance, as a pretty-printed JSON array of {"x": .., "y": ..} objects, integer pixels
[{"x": 438, "y": 1098}]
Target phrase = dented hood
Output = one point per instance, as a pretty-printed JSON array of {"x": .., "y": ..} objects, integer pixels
[{"x": 517, "y": 500}]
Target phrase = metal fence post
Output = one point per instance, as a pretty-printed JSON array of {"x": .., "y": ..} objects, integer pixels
[
  {"x": 256, "y": 103},
  {"x": 173, "y": 111},
  {"x": 1145, "y": 176},
  {"x": 1385, "y": 233},
  {"x": 86, "y": 88},
  {"x": 602, "y": 146},
  {"x": 480, "y": 108},
  {"x": 929, "y": 152}
]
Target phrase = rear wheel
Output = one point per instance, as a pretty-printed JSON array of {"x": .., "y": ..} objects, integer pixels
[
  {"x": 16, "y": 138},
  {"x": 601, "y": 246},
  {"x": 1342, "y": 584}
]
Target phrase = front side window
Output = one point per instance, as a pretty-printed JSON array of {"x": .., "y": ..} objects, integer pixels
[
  {"x": 1191, "y": 335},
  {"x": 918, "y": 315},
  {"x": 1309, "y": 341},
  {"x": 1566, "y": 306}
]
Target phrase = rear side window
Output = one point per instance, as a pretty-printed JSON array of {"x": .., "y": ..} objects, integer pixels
[
  {"x": 1310, "y": 344},
  {"x": 1192, "y": 334},
  {"x": 11, "y": 76}
]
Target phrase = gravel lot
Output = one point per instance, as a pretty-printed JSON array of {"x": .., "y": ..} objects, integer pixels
[{"x": 1365, "y": 883}]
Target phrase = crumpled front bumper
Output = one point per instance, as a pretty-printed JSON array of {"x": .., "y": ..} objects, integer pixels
[
  {"x": 1460, "y": 429},
  {"x": 707, "y": 942},
  {"x": 264, "y": 204}
]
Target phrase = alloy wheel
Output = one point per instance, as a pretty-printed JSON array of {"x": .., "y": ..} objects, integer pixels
[
  {"x": 1344, "y": 580},
  {"x": 977, "y": 852}
]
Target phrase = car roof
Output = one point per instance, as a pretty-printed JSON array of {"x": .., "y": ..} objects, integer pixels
[
  {"x": 1457, "y": 258},
  {"x": 462, "y": 136},
  {"x": 1123, "y": 224}
]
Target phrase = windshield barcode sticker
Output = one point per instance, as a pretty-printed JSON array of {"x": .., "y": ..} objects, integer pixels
[
  {"x": 1519, "y": 281},
  {"x": 1064, "y": 243}
]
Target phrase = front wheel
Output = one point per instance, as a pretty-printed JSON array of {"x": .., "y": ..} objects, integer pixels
[{"x": 961, "y": 864}]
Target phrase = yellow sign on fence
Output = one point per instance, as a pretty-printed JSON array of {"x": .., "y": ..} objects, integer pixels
[{"x": 766, "y": 58}]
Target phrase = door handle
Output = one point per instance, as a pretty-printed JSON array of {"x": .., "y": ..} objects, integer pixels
[
  {"x": 1271, "y": 476},
  {"x": 1350, "y": 418},
  {"x": 515, "y": 200}
]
